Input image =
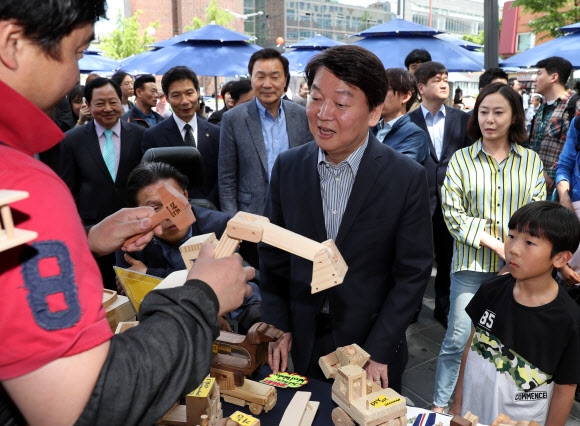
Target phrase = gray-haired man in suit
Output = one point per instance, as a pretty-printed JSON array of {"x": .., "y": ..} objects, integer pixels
[{"x": 253, "y": 134}]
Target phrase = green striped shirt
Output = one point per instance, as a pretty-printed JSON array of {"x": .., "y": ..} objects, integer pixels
[{"x": 479, "y": 194}]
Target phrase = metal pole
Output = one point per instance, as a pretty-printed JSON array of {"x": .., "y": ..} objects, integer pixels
[{"x": 491, "y": 35}]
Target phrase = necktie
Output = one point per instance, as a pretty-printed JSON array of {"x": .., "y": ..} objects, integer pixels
[
  {"x": 109, "y": 152},
  {"x": 189, "y": 138}
]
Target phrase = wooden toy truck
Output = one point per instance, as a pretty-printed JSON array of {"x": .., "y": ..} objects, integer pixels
[
  {"x": 235, "y": 357},
  {"x": 361, "y": 402}
]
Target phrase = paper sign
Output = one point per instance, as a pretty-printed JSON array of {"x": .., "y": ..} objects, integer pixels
[
  {"x": 203, "y": 389},
  {"x": 285, "y": 380},
  {"x": 383, "y": 401},
  {"x": 243, "y": 419}
]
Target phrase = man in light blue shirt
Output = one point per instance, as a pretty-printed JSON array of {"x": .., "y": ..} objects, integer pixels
[
  {"x": 254, "y": 133},
  {"x": 447, "y": 130}
]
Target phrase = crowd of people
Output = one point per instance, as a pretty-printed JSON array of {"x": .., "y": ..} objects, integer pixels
[{"x": 373, "y": 159}]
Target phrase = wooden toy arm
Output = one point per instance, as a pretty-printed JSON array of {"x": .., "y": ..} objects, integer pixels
[{"x": 328, "y": 267}]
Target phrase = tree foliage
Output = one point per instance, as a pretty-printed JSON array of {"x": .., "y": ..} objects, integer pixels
[
  {"x": 128, "y": 38},
  {"x": 477, "y": 39},
  {"x": 554, "y": 14},
  {"x": 212, "y": 14}
]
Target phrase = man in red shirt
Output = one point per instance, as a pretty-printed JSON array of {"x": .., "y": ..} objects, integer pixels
[{"x": 58, "y": 361}]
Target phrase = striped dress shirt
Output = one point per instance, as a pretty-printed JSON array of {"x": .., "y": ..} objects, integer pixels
[
  {"x": 335, "y": 186},
  {"x": 479, "y": 194}
]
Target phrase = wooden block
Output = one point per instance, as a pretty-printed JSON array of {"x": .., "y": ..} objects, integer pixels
[
  {"x": 175, "y": 207},
  {"x": 125, "y": 325},
  {"x": 246, "y": 227},
  {"x": 120, "y": 310},
  {"x": 8, "y": 196},
  {"x": 299, "y": 411},
  {"x": 190, "y": 249},
  {"x": 226, "y": 246},
  {"x": 352, "y": 355},
  {"x": 472, "y": 418},
  {"x": 175, "y": 279},
  {"x": 204, "y": 400},
  {"x": 224, "y": 378},
  {"x": 459, "y": 421},
  {"x": 501, "y": 419},
  {"x": 9, "y": 235},
  {"x": 109, "y": 296},
  {"x": 328, "y": 364},
  {"x": 309, "y": 413},
  {"x": 257, "y": 395}
]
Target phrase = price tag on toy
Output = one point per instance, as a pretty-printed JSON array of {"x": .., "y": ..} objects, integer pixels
[
  {"x": 285, "y": 380},
  {"x": 243, "y": 419},
  {"x": 203, "y": 389},
  {"x": 383, "y": 401}
]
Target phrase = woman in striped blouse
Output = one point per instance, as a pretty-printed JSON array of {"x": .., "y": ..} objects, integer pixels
[{"x": 485, "y": 184}]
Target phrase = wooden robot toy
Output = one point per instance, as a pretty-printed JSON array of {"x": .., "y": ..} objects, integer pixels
[{"x": 360, "y": 401}]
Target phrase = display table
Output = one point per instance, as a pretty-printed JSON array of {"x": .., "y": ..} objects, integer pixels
[{"x": 321, "y": 392}]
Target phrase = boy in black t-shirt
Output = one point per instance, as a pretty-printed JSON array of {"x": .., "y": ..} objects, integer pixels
[{"x": 522, "y": 356}]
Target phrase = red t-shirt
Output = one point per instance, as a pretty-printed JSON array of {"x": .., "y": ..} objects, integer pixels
[{"x": 50, "y": 289}]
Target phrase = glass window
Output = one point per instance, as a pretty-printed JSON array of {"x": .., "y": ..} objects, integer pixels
[{"x": 525, "y": 41}]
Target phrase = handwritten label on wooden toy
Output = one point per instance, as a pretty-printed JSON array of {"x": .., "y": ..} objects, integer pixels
[
  {"x": 285, "y": 380},
  {"x": 383, "y": 401},
  {"x": 173, "y": 209},
  {"x": 203, "y": 389},
  {"x": 242, "y": 418}
]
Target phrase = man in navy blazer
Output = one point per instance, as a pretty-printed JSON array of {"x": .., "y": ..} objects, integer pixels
[
  {"x": 254, "y": 133},
  {"x": 395, "y": 128},
  {"x": 447, "y": 131},
  {"x": 181, "y": 86},
  {"x": 82, "y": 167},
  {"x": 373, "y": 201}
]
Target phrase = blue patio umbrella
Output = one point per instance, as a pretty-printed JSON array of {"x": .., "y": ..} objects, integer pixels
[
  {"x": 304, "y": 50},
  {"x": 394, "y": 40},
  {"x": 211, "y": 32},
  {"x": 93, "y": 60},
  {"x": 125, "y": 63},
  {"x": 567, "y": 46},
  {"x": 205, "y": 58}
]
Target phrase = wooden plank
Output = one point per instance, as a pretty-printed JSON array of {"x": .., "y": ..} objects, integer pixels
[
  {"x": 309, "y": 413},
  {"x": 295, "y": 410},
  {"x": 20, "y": 236},
  {"x": 8, "y": 196}
]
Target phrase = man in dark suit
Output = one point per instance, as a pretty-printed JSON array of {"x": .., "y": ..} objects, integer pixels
[
  {"x": 447, "y": 131},
  {"x": 373, "y": 201},
  {"x": 96, "y": 160},
  {"x": 254, "y": 133},
  {"x": 185, "y": 127}
]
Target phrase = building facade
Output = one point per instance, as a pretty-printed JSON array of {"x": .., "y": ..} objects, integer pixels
[
  {"x": 298, "y": 20},
  {"x": 174, "y": 15}
]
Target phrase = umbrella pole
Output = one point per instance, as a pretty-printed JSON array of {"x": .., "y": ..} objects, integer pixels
[{"x": 216, "y": 92}]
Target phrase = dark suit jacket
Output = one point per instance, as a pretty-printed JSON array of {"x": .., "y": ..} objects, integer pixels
[
  {"x": 407, "y": 138},
  {"x": 385, "y": 237},
  {"x": 454, "y": 138},
  {"x": 167, "y": 133},
  {"x": 243, "y": 164},
  {"x": 84, "y": 171}
]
